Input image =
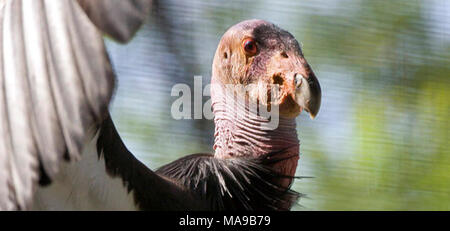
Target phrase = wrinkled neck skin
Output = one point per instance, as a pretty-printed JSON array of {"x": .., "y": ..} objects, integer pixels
[{"x": 239, "y": 132}]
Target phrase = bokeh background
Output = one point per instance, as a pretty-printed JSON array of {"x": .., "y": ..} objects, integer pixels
[{"x": 381, "y": 139}]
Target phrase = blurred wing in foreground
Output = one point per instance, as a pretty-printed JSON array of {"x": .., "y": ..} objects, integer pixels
[
  {"x": 118, "y": 18},
  {"x": 56, "y": 82}
]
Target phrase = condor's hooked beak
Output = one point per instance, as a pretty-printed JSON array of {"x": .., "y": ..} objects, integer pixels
[
  {"x": 299, "y": 85},
  {"x": 308, "y": 94}
]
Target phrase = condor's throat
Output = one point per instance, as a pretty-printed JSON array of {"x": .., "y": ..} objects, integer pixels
[{"x": 240, "y": 133}]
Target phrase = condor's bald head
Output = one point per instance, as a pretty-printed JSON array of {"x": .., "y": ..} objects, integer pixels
[{"x": 259, "y": 53}]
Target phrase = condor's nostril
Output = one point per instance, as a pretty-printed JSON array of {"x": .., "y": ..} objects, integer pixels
[{"x": 277, "y": 79}]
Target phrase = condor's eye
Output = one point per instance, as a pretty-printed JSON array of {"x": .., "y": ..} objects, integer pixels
[{"x": 250, "y": 47}]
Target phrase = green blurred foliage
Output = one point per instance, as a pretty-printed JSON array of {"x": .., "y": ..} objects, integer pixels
[{"x": 400, "y": 104}]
